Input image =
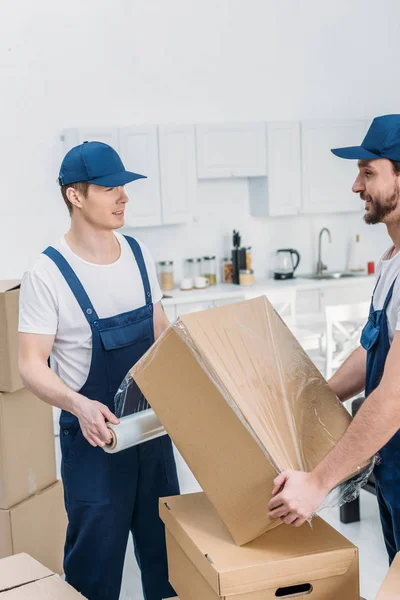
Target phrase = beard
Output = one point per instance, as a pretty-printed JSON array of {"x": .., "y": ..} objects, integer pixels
[{"x": 379, "y": 208}]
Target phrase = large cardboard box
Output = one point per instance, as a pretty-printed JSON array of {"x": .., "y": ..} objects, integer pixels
[
  {"x": 204, "y": 562},
  {"x": 390, "y": 589},
  {"x": 36, "y": 526},
  {"x": 9, "y": 298},
  {"x": 27, "y": 451},
  {"x": 242, "y": 401},
  {"x": 23, "y": 578}
]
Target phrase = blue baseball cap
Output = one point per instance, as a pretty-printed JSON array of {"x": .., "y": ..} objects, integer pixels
[
  {"x": 382, "y": 141},
  {"x": 95, "y": 162}
]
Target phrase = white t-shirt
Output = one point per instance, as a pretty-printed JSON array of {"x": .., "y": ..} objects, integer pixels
[
  {"x": 48, "y": 306},
  {"x": 388, "y": 269}
]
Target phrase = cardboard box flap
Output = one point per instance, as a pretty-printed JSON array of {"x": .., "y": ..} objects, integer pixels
[
  {"x": 390, "y": 589},
  {"x": 8, "y": 285},
  {"x": 283, "y": 557},
  {"x": 20, "y": 569}
]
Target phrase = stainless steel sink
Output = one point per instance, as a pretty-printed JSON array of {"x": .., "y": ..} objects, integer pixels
[{"x": 330, "y": 275}]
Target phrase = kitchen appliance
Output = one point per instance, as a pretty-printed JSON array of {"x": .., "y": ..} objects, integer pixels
[{"x": 285, "y": 266}]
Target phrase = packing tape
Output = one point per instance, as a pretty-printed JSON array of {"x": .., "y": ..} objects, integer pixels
[{"x": 133, "y": 430}]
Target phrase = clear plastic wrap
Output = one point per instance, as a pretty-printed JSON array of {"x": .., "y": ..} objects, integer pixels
[{"x": 268, "y": 381}]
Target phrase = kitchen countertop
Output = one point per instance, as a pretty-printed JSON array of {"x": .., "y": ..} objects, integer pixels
[{"x": 262, "y": 286}]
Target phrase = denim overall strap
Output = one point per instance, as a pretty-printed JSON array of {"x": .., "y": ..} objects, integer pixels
[
  {"x": 137, "y": 252},
  {"x": 75, "y": 285}
]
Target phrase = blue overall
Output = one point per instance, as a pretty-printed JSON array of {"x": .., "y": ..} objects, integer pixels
[
  {"x": 375, "y": 340},
  {"x": 108, "y": 495}
]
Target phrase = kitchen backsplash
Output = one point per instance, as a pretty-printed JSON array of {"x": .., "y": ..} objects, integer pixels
[{"x": 221, "y": 206}]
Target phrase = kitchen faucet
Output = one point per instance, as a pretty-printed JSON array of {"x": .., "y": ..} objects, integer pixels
[{"x": 320, "y": 265}]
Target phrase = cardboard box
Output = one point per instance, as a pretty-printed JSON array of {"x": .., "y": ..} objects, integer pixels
[
  {"x": 22, "y": 577},
  {"x": 390, "y": 589},
  {"x": 204, "y": 562},
  {"x": 242, "y": 401},
  {"x": 36, "y": 526},
  {"x": 27, "y": 451},
  {"x": 10, "y": 381}
]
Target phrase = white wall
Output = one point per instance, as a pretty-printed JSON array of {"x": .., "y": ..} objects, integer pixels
[{"x": 90, "y": 62}]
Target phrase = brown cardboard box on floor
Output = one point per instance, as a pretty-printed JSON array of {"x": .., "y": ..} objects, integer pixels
[
  {"x": 242, "y": 401},
  {"x": 390, "y": 589},
  {"x": 204, "y": 562},
  {"x": 10, "y": 380},
  {"x": 22, "y": 577},
  {"x": 27, "y": 451},
  {"x": 36, "y": 526}
]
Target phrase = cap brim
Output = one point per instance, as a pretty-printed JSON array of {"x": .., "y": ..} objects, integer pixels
[
  {"x": 116, "y": 179},
  {"x": 355, "y": 153}
]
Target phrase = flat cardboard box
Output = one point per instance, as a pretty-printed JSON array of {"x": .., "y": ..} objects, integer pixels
[
  {"x": 22, "y": 577},
  {"x": 36, "y": 526},
  {"x": 390, "y": 589},
  {"x": 10, "y": 380},
  {"x": 204, "y": 562},
  {"x": 27, "y": 451},
  {"x": 242, "y": 401}
]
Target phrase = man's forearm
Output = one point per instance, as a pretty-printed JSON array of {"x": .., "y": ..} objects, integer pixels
[
  {"x": 374, "y": 425},
  {"x": 47, "y": 386},
  {"x": 349, "y": 379}
]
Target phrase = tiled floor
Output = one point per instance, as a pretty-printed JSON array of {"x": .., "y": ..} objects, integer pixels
[{"x": 366, "y": 535}]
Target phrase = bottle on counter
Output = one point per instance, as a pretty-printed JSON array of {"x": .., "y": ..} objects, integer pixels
[
  {"x": 227, "y": 270},
  {"x": 246, "y": 277},
  {"x": 210, "y": 269},
  {"x": 356, "y": 259},
  {"x": 166, "y": 271}
]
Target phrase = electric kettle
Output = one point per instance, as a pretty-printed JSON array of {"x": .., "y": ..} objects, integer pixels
[{"x": 285, "y": 265}]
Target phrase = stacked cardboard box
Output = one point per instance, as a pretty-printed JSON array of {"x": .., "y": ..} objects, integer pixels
[
  {"x": 22, "y": 577},
  {"x": 32, "y": 515},
  {"x": 242, "y": 402}
]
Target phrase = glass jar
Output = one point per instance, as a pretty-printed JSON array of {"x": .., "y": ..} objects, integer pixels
[
  {"x": 246, "y": 277},
  {"x": 197, "y": 267},
  {"x": 227, "y": 270},
  {"x": 249, "y": 264},
  {"x": 210, "y": 269},
  {"x": 188, "y": 268},
  {"x": 166, "y": 270}
]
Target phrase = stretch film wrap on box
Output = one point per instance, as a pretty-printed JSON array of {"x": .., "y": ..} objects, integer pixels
[{"x": 269, "y": 382}]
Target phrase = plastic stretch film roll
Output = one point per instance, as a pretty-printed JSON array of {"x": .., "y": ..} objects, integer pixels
[{"x": 133, "y": 430}]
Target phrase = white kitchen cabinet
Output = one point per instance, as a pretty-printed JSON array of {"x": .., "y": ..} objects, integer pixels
[
  {"x": 327, "y": 179},
  {"x": 231, "y": 150},
  {"x": 74, "y": 137},
  {"x": 139, "y": 152},
  {"x": 279, "y": 193},
  {"x": 178, "y": 172}
]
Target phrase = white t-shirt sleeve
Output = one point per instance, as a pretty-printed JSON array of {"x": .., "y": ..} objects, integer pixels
[
  {"x": 156, "y": 292},
  {"x": 37, "y": 306}
]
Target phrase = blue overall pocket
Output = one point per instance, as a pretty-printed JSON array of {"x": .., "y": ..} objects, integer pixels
[
  {"x": 86, "y": 469},
  {"x": 370, "y": 334}
]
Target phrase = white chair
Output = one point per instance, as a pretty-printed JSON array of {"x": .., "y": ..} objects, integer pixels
[
  {"x": 284, "y": 302},
  {"x": 344, "y": 323}
]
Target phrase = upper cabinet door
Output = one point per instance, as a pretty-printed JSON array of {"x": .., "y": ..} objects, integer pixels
[
  {"x": 178, "y": 172},
  {"x": 139, "y": 153},
  {"x": 279, "y": 193},
  {"x": 231, "y": 150},
  {"x": 327, "y": 179}
]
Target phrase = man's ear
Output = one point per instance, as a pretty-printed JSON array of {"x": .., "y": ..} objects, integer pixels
[{"x": 74, "y": 197}]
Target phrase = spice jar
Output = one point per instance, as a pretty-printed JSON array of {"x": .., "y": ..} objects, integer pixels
[
  {"x": 210, "y": 269},
  {"x": 166, "y": 275},
  {"x": 249, "y": 265},
  {"x": 227, "y": 270},
  {"x": 197, "y": 267},
  {"x": 246, "y": 277}
]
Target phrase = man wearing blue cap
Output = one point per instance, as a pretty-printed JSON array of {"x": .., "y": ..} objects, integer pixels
[
  {"x": 92, "y": 304},
  {"x": 374, "y": 366}
]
